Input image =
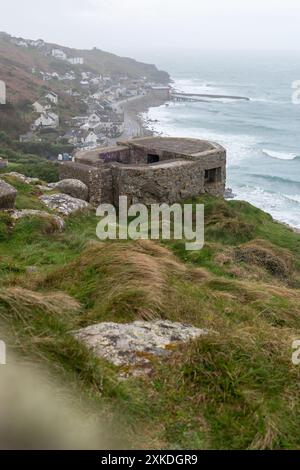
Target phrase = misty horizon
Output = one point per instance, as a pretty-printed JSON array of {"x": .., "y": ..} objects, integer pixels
[{"x": 135, "y": 28}]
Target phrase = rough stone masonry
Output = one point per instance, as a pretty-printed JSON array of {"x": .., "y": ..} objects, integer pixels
[{"x": 150, "y": 170}]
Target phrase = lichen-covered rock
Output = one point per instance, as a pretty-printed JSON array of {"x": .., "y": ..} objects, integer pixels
[
  {"x": 23, "y": 178},
  {"x": 8, "y": 195},
  {"x": 74, "y": 188},
  {"x": 133, "y": 344},
  {"x": 64, "y": 204},
  {"x": 20, "y": 214},
  {"x": 43, "y": 188}
]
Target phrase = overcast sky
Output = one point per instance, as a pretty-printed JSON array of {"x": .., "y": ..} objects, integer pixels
[{"x": 128, "y": 27}]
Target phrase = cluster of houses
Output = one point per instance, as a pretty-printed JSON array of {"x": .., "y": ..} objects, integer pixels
[
  {"x": 102, "y": 123},
  {"x": 47, "y": 118},
  {"x": 39, "y": 43},
  {"x": 61, "y": 55},
  {"x": 101, "y": 94},
  {"x": 95, "y": 129}
]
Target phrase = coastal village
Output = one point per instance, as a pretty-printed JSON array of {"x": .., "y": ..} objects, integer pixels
[
  {"x": 169, "y": 347},
  {"x": 104, "y": 98}
]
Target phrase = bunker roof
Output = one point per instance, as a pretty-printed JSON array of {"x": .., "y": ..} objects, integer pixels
[{"x": 173, "y": 144}]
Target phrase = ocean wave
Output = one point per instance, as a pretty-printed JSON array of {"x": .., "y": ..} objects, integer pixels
[
  {"x": 197, "y": 86},
  {"x": 281, "y": 206},
  {"x": 278, "y": 179},
  {"x": 280, "y": 155},
  {"x": 169, "y": 123},
  {"x": 268, "y": 100},
  {"x": 294, "y": 197}
]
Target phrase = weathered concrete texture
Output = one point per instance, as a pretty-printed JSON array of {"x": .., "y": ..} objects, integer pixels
[
  {"x": 74, "y": 188},
  {"x": 151, "y": 170},
  {"x": 21, "y": 214},
  {"x": 8, "y": 195},
  {"x": 91, "y": 176},
  {"x": 64, "y": 204},
  {"x": 171, "y": 182},
  {"x": 134, "y": 344}
]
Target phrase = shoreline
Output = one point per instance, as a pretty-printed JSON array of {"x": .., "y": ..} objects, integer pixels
[{"x": 135, "y": 126}]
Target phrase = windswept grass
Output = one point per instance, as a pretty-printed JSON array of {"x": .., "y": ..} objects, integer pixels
[{"x": 235, "y": 388}]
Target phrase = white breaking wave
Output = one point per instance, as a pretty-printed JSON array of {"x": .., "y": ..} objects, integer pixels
[
  {"x": 280, "y": 155},
  {"x": 239, "y": 146},
  {"x": 280, "y": 206},
  {"x": 293, "y": 197},
  {"x": 164, "y": 121},
  {"x": 197, "y": 86}
]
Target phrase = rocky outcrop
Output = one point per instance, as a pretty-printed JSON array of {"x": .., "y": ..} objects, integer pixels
[
  {"x": 134, "y": 344},
  {"x": 74, "y": 188},
  {"x": 8, "y": 195},
  {"x": 21, "y": 214},
  {"x": 64, "y": 204},
  {"x": 23, "y": 178}
]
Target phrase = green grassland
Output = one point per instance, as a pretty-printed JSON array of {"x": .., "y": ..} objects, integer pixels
[{"x": 235, "y": 388}]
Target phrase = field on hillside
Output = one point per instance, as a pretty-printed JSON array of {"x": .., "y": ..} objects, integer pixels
[{"x": 235, "y": 388}]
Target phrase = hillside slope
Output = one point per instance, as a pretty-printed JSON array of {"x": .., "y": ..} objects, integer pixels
[
  {"x": 235, "y": 388},
  {"x": 16, "y": 64}
]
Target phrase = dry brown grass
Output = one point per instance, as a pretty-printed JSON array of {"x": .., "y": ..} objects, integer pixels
[
  {"x": 21, "y": 300},
  {"x": 277, "y": 261},
  {"x": 134, "y": 276}
]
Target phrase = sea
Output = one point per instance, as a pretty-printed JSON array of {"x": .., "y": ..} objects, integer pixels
[{"x": 262, "y": 135}]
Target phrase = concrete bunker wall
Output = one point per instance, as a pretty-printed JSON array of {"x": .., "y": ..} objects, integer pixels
[
  {"x": 130, "y": 169},
  {"x": 213, "y": 160},
  {"x": 97, "y": 179},
  {"x": 170, "y": 182}
]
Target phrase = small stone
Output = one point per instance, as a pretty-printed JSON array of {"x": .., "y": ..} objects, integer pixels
[
  {"x": 44, "y": 188},
  {"x": 8, "y": 195},
  {"x": 229, "y": 194},
  {"x": 31, "y": 269}
]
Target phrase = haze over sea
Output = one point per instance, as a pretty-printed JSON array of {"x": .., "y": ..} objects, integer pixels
[{"x": 262, "y": 136}]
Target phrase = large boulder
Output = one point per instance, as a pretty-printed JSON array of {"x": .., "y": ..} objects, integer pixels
[
  {"x": 7, "y": 195},
  {"x": 134, "y": 344},
  {"x": 64, "y": 204},
  {"x": 74, "y": 188}
]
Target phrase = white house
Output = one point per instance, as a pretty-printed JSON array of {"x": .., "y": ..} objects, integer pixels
[
  {"x": 59, "y": 54},
  {"x": 91, "y": 138},
  {"x": 52, "y": 97},
  {"x": 94, "y": 119},
  {"x": 21, "y": 43},
  {"x": 38, "y": 43},
  {"x": 84, "y": 84},
  {"x": 76, "y": 60},
  {"x": 47, "y": 119},
  {"x": 2, "y": 92},
  {"x": 98, "y": 95},
  {"x": 39, "y": 108}
]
